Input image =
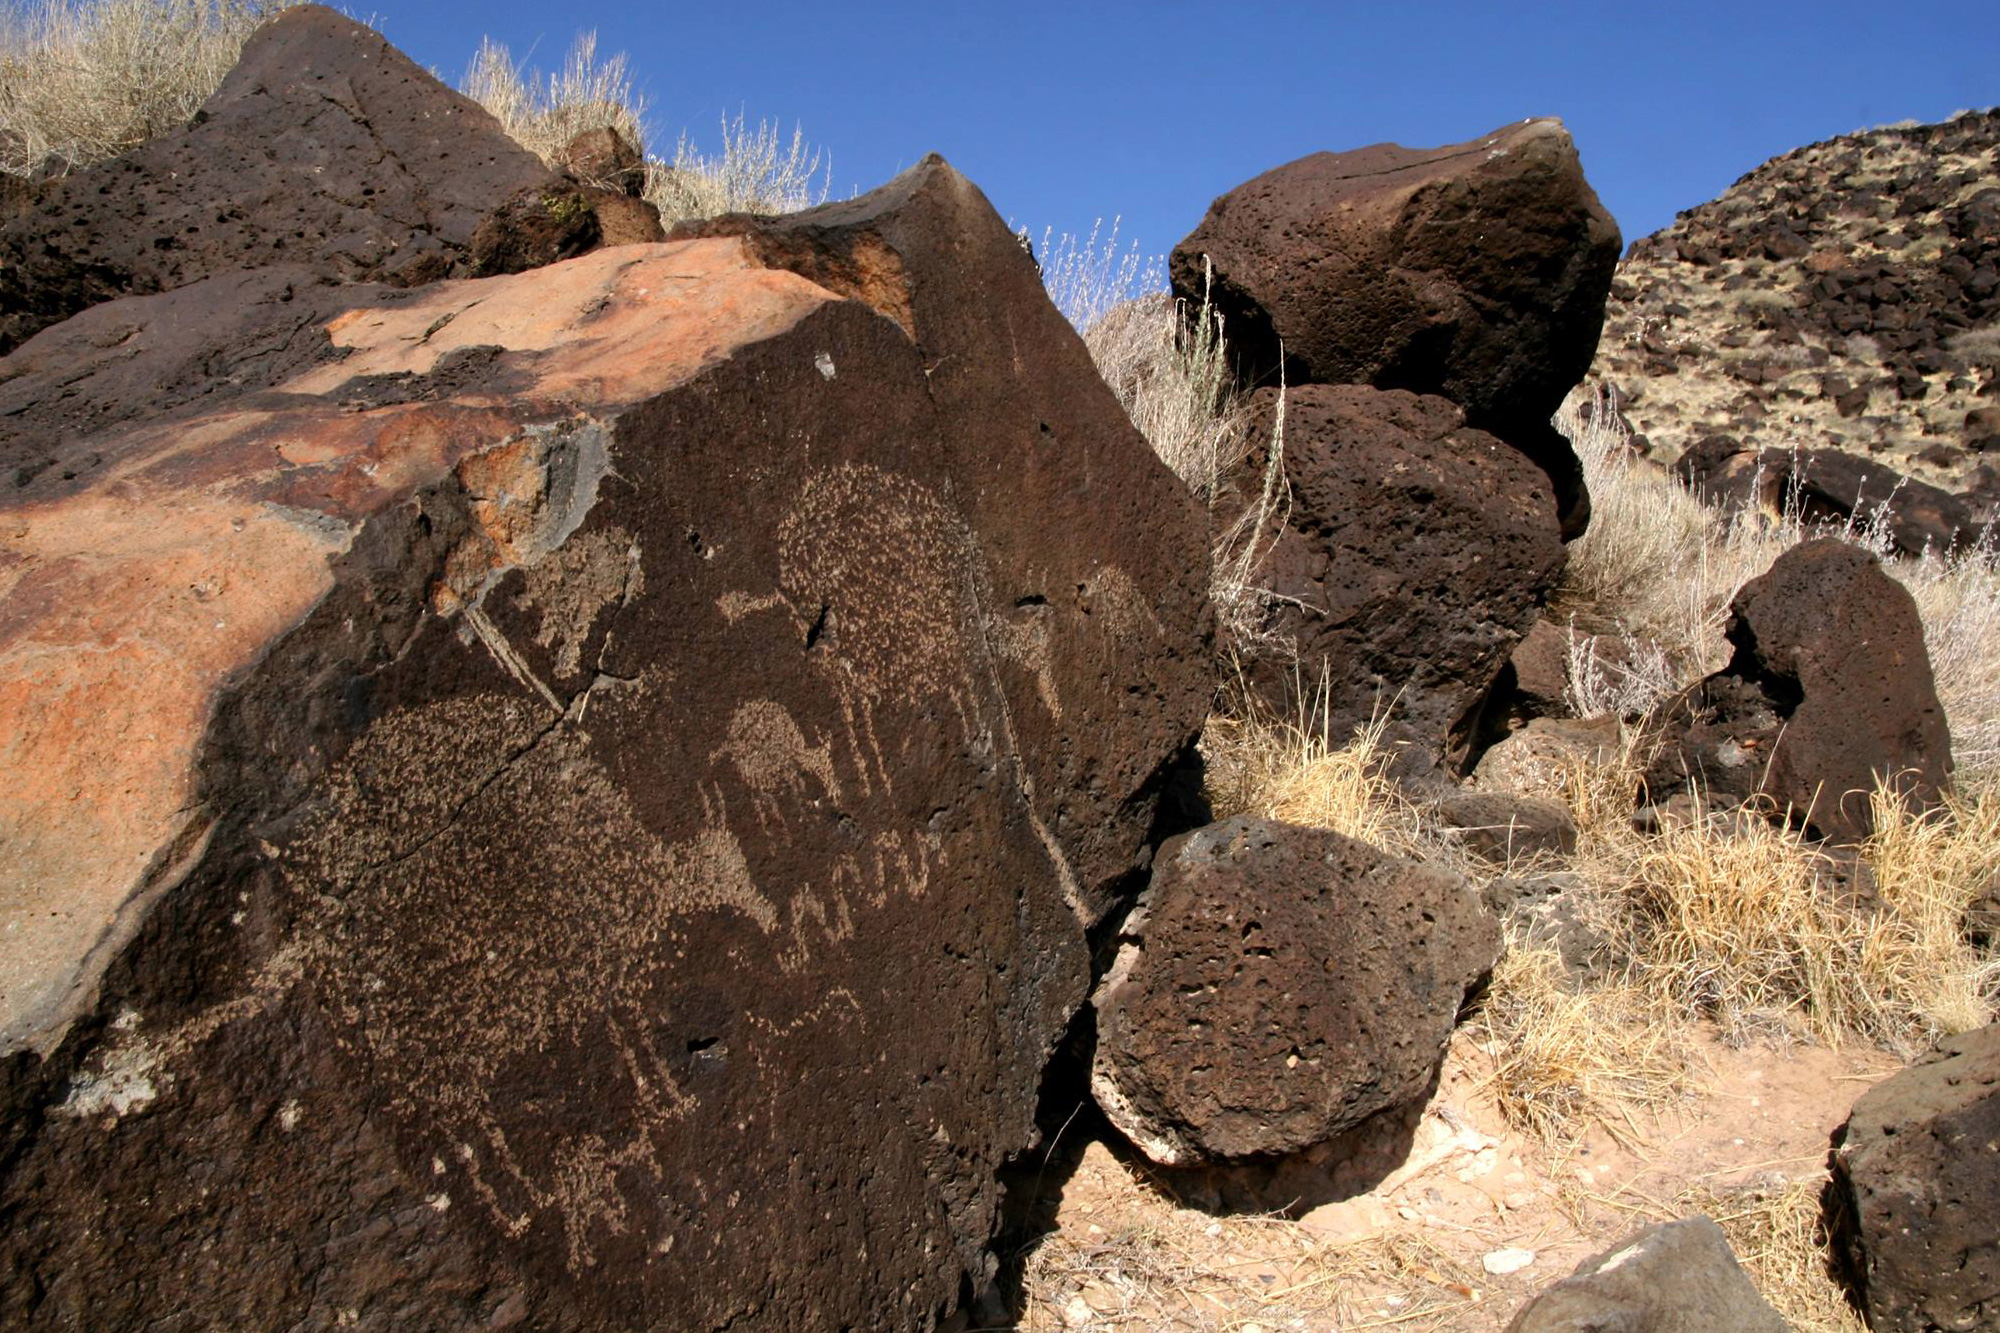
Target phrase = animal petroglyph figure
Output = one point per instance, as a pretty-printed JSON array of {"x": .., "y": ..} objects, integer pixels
[{"x": 773, "y": 759}]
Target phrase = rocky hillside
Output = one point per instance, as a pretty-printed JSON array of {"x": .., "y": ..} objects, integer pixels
[{"x": 1845, "y": 295}]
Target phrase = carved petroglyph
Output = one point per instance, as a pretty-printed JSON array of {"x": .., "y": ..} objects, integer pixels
[
  {"x": 574, "y": 584},
  {"x": 1023, "y": 639},
  {"x": 773, "y": 759}
]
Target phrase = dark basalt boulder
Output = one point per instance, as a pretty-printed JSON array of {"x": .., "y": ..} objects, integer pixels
[
  {"x": 325, "y": 148},
  {"x": 1829, "y": 486},
  {"x": 1829, "y": 688},
  {"x": 1680, "y": 1277},
  {"x": 1036, "y": 446},
  {"x": 1916, "y": 1180},
  {"x": 1281, "y": 985},
  {"x": 1413, "y": 555},
  {"x": 1477, "y": 271},
  {"x": 567, "y": 801}
]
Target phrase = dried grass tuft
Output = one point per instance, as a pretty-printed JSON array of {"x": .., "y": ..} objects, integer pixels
[
  {"x": 1292, "y": 771},
  {"x": 543, "y": 112},
  {"x": 86, "y": 80},
  {"x": 757, "y": 170}
]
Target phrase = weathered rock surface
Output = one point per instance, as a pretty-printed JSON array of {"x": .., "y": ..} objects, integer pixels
[
  {"x": 1842, "y": 294},
  {"x": 1414, "y": 554},
  {"x": 1538, "y": 759},
  {"x": 1477, "y": 271},
  {"x": 325, "y": 147},
  {"x": 1829, "y": 486},
  {"x": 1282, "y": 984},
  {"x": 1916, "y": 1169},
  {"x": 1829, "y": 687},
  {"x": 1680, "y": 1277},
  {"x": 1505, "y": 827},
  {"x": 570, "y": 800}
]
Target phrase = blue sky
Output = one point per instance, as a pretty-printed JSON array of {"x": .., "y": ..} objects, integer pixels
[{"x": 1064, "y": 114}]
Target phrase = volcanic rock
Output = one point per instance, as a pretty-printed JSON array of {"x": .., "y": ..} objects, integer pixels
[
  {"x": 1282, "y": 985},
  {"x": 1414, "y": 554},
  {"x": 1875, "y": 341},
  {"x": 1828, "y": 690},
  {"x": 567, "y": 800},
  {"x": 1504, "y": 827},
  {"x": 1829, "y": 486},
  {"x": 1477, "y": 271},
  {"x": 1679, "y": 1277},
  {"x": 1539, "y": 759},
  {"x": 1916, "y": 1174},
  {"x": 324, "y": 147},
  {"x": 604, "y": 159}
]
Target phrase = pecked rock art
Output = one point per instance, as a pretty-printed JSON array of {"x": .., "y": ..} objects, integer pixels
[{"x": 616, "y": 846}]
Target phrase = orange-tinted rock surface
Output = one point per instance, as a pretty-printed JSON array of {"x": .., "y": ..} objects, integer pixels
[{"x": 565, "y": 801}]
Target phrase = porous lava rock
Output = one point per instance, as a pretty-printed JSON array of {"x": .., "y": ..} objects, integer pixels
[
  {"x": 324, "y": 147},
  {"x": 1828, "y": 690},
  {"x": 1829, "y": 486},
  {"x": 1477, "y": 271},
  {"x": 1678, "y": 1277},
  {"x": 1504, "y": 827},
  {"x": 1916, "y": 1180},
  {"x": 1842, "y": 294},
  {"x": 520, "y": 812},
  {"x": 1412, "y": 556},
  {"x": 604, "y": 159},
  {"x": 1540, "y": 758},
  {"x": 1281, "y": 985}
]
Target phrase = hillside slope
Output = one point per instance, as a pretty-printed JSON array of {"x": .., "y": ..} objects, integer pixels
[{"x": 1843, "y": 295}]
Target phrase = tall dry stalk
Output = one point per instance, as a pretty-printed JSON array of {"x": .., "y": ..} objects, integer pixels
[
  {"x": 543, "y": 112},
  {"x": 757, "y": 170}
]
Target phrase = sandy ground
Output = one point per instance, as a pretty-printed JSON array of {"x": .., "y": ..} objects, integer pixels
[{"x": 1448, "y": 1219}]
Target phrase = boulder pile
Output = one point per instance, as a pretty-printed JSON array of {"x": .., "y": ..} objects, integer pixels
[
  {"x": 572, "y": 799},
  {"x": 1426, "y": 311}
]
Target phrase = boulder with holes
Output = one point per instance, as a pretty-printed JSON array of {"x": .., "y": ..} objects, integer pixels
[
  {"x": 1280, "y": 986},
  {"x": 1916, "y": 1177}
]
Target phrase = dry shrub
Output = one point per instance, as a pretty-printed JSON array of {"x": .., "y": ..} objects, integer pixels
[
  {"x": 86, "y": 80},
  {"x": 1569, "y": 1053},
  {"x": 1293, "y": 772},
  {"x": 1779, "y": 1238},
  {"x": 542, "y": 112},
  {"x": 757, "y": 170}
]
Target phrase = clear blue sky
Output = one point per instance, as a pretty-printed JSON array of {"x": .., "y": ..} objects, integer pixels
[{"x": 1067, "y": 113}]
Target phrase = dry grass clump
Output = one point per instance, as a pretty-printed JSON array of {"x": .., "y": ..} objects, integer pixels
[
  {"x": 1781, "y": 1241},
  {"x": 757, "y": 170},
  {"x": 1743, "y": 922},
  {"x": 1293, "y": 771},
  {"x": 1570, "y": 1053},
  {"x": 86, "y": 80},
  {"x": 543, "y": 112}
]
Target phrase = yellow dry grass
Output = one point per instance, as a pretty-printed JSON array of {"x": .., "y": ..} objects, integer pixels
[
  {"x": 1778, "y": 1237},
  {"x": 543, "y": 112},
  {"x": 86, "y": 80}
]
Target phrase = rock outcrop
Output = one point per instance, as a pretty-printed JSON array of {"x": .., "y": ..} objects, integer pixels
[
  {"x": 1840, "y": 296},
  {"x": 325, "y": 148},
  {"x": 1680, "y": 1277},
  {"x": 1827, "y": 486},
  {"x": 1281, "y": 985},
  {"x": 1828, "y": 690},
  {"x": 1916, "y": 1176},
  {"x": 1476, "y": 271},
  {"x": 1412, "y": 556},
  {"x": 570, "y": 800}
]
